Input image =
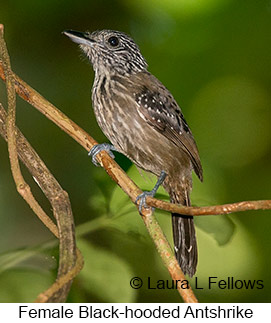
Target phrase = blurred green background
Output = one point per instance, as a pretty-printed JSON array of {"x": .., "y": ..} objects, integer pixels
[{"x": 214, "y": 56}]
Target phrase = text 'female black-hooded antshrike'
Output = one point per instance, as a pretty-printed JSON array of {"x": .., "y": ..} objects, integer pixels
[{"x": 143, "y": 121}]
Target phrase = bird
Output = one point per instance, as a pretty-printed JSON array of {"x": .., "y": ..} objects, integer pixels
[{"x": 143, "y": 121}]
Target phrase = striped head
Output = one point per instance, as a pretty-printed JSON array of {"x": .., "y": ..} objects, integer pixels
[{"x": 110, "y": 51}]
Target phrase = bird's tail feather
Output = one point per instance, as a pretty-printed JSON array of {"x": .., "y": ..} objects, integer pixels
[{"x": 184, "y": 236}]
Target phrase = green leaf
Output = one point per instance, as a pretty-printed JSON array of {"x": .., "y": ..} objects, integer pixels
[
  {"x": 219, "y": 227},
  {"x": 98, "y": 202},
  {"x": 105, "y": 274},
  {"x": 241, "y": 258},
  {"x": 125, "y": 214},
  {"x": 32, "y": 257},
  {"x": 23, "y": 286},
  {"x": 144, "y": 180},
  {"x": 212, "y": 192}
]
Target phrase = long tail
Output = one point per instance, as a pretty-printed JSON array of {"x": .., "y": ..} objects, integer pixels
[{"x": 184, "y": 236}]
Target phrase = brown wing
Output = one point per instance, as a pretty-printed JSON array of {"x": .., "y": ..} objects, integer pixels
[{"x": 161, "y": 111}]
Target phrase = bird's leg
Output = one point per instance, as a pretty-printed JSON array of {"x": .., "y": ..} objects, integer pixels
[
  {"x": 96, "y": 149},
  {"x": 142, "y": 197}
]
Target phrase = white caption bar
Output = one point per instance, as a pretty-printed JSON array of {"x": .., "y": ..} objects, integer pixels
[{"x": 167, "y": 312}]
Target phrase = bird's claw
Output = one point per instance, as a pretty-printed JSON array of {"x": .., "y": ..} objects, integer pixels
[
  {"x": 96, "y": 149},
  {"x": 142, "y": 199}
]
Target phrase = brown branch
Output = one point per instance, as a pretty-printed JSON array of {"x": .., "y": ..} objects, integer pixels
[
  {"x": 117, "y": 174},
  {"x": 210, "y": 210},
  {"x": 64, "y": 280},
  {"x": 58, "y": 198},
  {"x": 114, "y": 171},
  {"x": 61, "y": 210},
  {"x": 127, "y": 185},
  {"x": 22, "y": 187},
  {"x": 73, "y": 130},
  {"x": 165, "y": 251}
]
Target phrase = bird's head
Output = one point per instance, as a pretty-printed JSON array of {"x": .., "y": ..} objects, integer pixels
[{"x": 110, "y": 50}]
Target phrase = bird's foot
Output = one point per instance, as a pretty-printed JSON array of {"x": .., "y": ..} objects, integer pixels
[
  {"x": 96, "y": 149},
  {"x": 142, "y": 197}
]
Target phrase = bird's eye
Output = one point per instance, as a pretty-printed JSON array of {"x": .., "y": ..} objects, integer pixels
[{"x": 113, "y": 41}]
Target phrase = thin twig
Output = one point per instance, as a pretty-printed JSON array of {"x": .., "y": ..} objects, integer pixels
[
  {"x": 63, "y": 280},
  {"x": 58, "y": 198},
  {"x": 128, "y": 186},
  {"x": 117, "y": 174},
  {"x": 210, "y": 210},
  {"x": 165, "y": 251},
  {"x": 114, "y": 171},
  {"x": 22, "y": 187}
]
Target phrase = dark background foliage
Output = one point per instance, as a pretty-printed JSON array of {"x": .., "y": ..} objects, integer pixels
[{"x": 214, "y": 56}]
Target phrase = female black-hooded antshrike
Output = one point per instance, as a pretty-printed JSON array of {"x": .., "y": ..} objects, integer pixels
[{"x": 143, "y": 121}]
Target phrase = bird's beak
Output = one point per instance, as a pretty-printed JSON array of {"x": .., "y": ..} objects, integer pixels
[{"x": 79, "y": 37}]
